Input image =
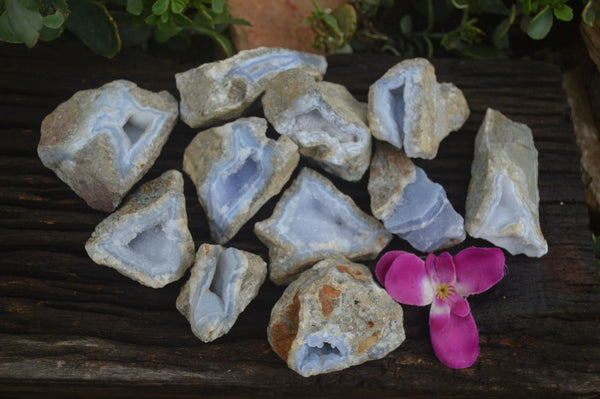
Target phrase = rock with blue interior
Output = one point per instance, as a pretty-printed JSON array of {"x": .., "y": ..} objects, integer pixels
[
  {"x": 409, "y": 204},
  {"x": 236, "y": 169},
  {"x": 147, "y": 238},
  {"x": 312, "y": 221},
  {"x": 223, "y": 90},
  {"x": 326, "y": 122},
  {"x": 222, "y": 283},
  {"x": 332, "y": 317},
  {"x": 409, "y": 109},
  {"x": 102, "y": 141},
  {"x": 503, "y": 198}
]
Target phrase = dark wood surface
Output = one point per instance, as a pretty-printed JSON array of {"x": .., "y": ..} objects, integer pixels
[{"x": 72, "y": 328}]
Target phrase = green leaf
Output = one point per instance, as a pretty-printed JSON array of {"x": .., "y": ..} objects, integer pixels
[
  {"x": 135, "y": 7},
  {"x": 24, "y": 22},
  {"x": 151, "y": 19},
  {"x": 47, "y": 34},
  {"x": 345, "y": 15},
  {"x": 182, "y": 20},
  {"x": 54, "y": 21},
  {"x": 217, "y": 6},
  {"x": 500, "y": 36},
  {"x": 94, "y": 26},
  {"x": 563, "y": 12},
  {"x": 6, "y": 32},
  {"x": 527, "y": 7},
  {"x": 221, "y": 40},
  {"x": 61, "y": 5},
  {"x": 160, "y": 7},
  {"x": 587, "y": 14},
  {"x": 132, "y": 30},
  {"x": 406, "y": 25},
  {"x": 177, "y": 6},
  {"x": 165, "y": 31},
  {"x": 540, "y": 25}
]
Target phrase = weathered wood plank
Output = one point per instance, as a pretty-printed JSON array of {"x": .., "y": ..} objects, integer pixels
[{"x": 69, "y": 325}]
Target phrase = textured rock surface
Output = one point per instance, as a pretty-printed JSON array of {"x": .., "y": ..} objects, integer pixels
[
  {"x": 502, "y": 200},
  {"x": 147, "y": 239},
  {"x": 312, "y": 221},
  {"x": 222, "y": 283},
  {"x": 275, "y": 23},
  {"x": 223, "y": 90},
  {"x": 409, "y": 204},
  {"x": 236, "y": 169},
  {"x": 410, "y": 109},
  {"x": 323, "y": 119},
  {"x": 332, "y": 317},
  {"x": 102, "y": 141}
]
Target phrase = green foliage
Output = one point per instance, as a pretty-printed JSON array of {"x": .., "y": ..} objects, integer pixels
[
  {"x": 473, "y": 28},
  {"x": 333, "y": 28},
  {"x": 103, "y": 25}
]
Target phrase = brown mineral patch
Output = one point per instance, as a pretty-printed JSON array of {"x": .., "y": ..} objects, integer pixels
[
  {"x": 370, "y": 324},
  {"x": 355, "y": 273},
  {"x": 58, "y": 124},
  {"x": 284, "y": 332},
  {"x": 327, "y": 297},
  {"x": 206, "y": 250},
  {"x": 367, "y": 343}
]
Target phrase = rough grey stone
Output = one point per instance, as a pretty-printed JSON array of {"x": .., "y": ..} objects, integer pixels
[
  {"x": 312, "y": 221},
  {"x": 332, "y": 317},
  {"x": 323, "y": 119},
  {"x": 147, "y": 239},
  {"x": 409, "y": 109},
  {"x": 223, "y": 90},
  {"x": 236, "y": 169},
  {"x": 102, "y": 141},
  {"x": 502, "y": 200},
  {"x": 409, "y": 204},
  {"x": 222, "y": 283}
]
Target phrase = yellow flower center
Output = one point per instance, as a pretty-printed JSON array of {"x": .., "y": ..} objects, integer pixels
[{"x": 443, "y": 291}]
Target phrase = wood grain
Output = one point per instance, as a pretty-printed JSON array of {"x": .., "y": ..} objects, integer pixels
[{"x": 72, "y": 328}]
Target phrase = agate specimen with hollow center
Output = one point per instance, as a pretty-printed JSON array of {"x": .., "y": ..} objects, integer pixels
[
  {"x": 223, "y": 90},
  {"x": 102, "y": 141},
  {"x": 323, "y": 119},
  {"x": 312, "y": 221},
  {"x": 332, "y": 317},
  {"x": 502, "y": 200},
  {"x": 236, "y": 169},
  {"x": 409, "y": 204},
  {"x": 409, "y": 109},
  {"x": 222, "y": 283},
  {"x": 147, "y": 239}
]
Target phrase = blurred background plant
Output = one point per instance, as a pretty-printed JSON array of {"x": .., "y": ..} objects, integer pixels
[
  {"x": 471, "y": 28},
  {"x": 107, "y": 25}
]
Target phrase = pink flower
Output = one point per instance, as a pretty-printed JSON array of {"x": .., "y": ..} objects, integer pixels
[{"x": 444, "y": 282}]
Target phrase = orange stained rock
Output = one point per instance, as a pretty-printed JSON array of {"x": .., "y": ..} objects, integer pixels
[
  {"x": 275, "y": 23},
  {"x": 327, "y": 297}
]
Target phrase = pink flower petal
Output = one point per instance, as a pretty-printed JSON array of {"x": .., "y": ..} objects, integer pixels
[
  {"x": 478, "y": 269},
  {"x": 460, "y": 306},
  {"x": 384, "y": 263},
  {"x": 457, "y": 345},
  {"x": 439, "y": 315},
  {"x": 440, "y": 268},
  {"x": 405, "y": 279}
]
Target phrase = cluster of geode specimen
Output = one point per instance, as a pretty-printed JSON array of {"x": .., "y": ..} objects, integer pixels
[
  {"x": 147, "y": 239},
  {"x": 324, "y": 120},
  {"x": 503, "y": 198},
  {"x": 409, "y": 109},
  {"x": 312, "y": 221},
  {"x": 102, "y": 141},
  {"x": 223, "y": 282},
  {"x": 332, "y": 315},
  {"x": 409, "y": 204},
  {"x": 223, "y": 90},
  {"x": 236, "y": 169}
]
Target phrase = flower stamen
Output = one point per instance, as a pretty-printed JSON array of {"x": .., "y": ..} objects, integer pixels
[{"x": 443, "y": 291}]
